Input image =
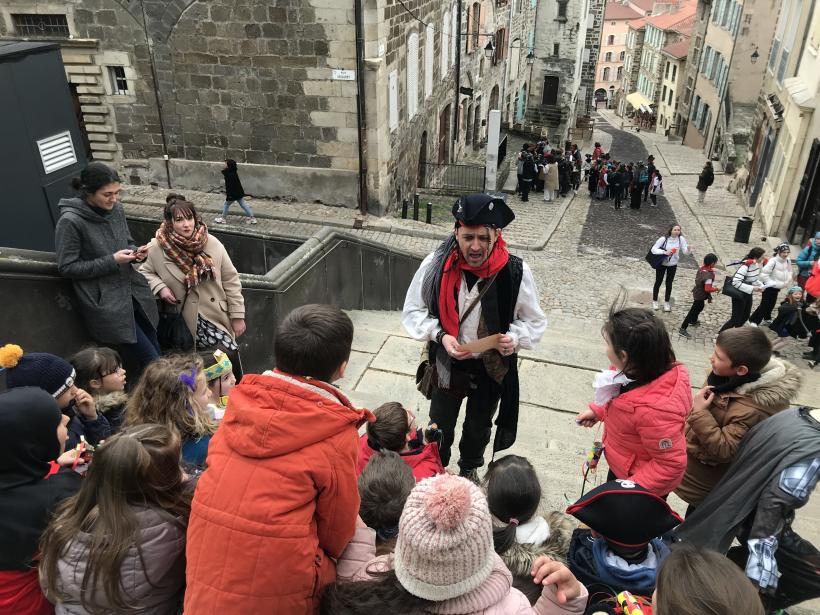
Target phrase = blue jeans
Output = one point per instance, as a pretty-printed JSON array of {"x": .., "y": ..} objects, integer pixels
[
  {"x": 146, "y": 348},
  {"x": 245, "y": 207}
]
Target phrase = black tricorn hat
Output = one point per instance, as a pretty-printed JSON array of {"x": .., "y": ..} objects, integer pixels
[
  {"x": 625, "y": 513},
  {"x": 483, "y": 210}
]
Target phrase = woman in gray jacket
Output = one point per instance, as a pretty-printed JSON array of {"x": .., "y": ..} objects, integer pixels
[
  {"x": 118, "y": 546},
  {"x": 95, "y": 251}
]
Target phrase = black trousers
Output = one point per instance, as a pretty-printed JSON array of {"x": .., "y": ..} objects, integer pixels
[
  {"x": 482, "y": 400},
  {"x": 616, "y": 192},
  {"x": 669, "y": 272},
  {"x": 526, "y": 184},
  {"x": 694, "y": 312},
  {"x": 520, "y": 181},
  {"x": 741, "y": 308},
  {"x": 767, "y": 303},
  {"x": 798, "y": 562}
]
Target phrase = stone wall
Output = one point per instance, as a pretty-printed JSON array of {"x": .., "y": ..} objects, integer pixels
[{"x": 593, "y": 44}]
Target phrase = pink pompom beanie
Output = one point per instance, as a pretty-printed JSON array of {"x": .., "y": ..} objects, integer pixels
[{"x": 445, "y": 544}]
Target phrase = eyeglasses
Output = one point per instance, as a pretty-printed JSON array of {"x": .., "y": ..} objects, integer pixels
[{"x": 116, "y": 371}]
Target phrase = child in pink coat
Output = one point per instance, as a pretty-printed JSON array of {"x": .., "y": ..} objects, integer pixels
[
  {"x": 643, "y": 400},
  {"x": 444, "y": 562}
]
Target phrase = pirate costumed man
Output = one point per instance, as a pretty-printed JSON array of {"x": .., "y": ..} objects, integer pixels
[
  {"x": 471, "y": 288},
  {"x": 774, "y": 473}
]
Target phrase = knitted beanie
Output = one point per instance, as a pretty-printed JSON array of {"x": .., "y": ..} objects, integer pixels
[
  {"x": 445, "y": 544},
  {"x": 36, "y": 369}
]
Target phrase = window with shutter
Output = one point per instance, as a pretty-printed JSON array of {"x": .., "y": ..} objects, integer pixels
[
  {"x": 515, "y": 58},
  {"x": 429, "y": 53},
  {"x": 445, "y": 45},
  {"x": 393, "y": 100},
  {"x": 412, "y": 75}
]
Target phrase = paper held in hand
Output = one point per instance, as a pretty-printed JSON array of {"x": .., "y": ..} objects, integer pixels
[{"x": 482, "y": 345}]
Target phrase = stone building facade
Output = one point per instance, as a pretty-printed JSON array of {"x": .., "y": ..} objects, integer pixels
[
  {"x": 783, "y": 184},
  {"x": 203, "y": 81},
  {"x": 662, "y": 30},
  {"x": 632, "y": 66},
  {"x": 728, "y": 77},
  {"x": 613, "y": 52},
  {"x": 167, "y": 90},
  {"x": 674, "y": 73},
  {"x": 563, "y": 66},
  {"x": 592, "y": 48}
]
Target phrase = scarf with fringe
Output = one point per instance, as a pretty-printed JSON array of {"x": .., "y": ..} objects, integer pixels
[{"x": 187, "y": 253}]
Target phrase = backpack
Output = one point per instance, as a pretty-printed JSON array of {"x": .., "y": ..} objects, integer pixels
[{"x": 643, "y": 177}]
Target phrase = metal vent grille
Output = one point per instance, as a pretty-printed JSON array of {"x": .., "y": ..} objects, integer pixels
[{"x": 57, "y": 152}]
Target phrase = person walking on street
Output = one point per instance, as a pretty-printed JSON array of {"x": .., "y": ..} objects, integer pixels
[
  {"x": 671, "y": 245},
  {"x": 650, "y": 170},
  {"x": 806, "y": 259},
  {"x": 233, "y": 192},
  {"x": 701, "y": 293},
  {"x": 635, "y": 187},
  {"x": 519, "y": 167},
  {"x": 528, "y": 175},
  {"x": 471, "y": 288},
  {"x": 776, "y": 274},
  {"x": 616, "y": 180},
  {"x": 96, "y": 252},
  {"x": 746, "y": 281},
  {"x": 705, "y": 179},
  {"x": 655, "y": 187}
]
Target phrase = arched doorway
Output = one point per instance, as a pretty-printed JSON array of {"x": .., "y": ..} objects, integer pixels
[
  {"x": 421, "y": 179},
  {"x": 477, "y": 123},
  {"x": 600, "y": 96},
  {"x": 468, "y": 138}
]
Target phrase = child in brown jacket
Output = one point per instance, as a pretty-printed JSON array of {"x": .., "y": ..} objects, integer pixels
[{"x": 745, "y": 387}]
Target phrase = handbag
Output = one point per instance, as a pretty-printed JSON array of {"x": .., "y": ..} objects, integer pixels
[
  {"x": 656, "y": 260},
  {"x": 730, "y": 290},
  {"x": 173, "y": 333},
  {"x": 426, "y": 377}
]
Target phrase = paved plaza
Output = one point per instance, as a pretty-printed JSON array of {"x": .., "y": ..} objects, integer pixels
[{"x": 583, "y": 254}]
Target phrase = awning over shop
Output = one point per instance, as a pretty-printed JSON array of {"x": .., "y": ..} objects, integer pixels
[{"x": 638, "y": 100}]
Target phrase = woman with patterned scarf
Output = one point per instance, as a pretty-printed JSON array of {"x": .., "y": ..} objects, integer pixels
[{"x": 187, "y": 266}]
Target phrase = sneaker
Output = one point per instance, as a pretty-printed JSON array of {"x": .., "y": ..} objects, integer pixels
[
  {"x": 252, "y": 221},
  {"x": 471, "y": 475},
  {"x": 667, "y": 307},
  {"x": 654, "y": 305},
  {"x": 752, "y": 324},
  {"x": 219, "y": 220},
  {"x": 684, "y": 333}
]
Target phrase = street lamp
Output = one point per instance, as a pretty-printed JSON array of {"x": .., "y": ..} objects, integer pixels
[
  {"x": 755, "y": 56},
  {"x": 489, "y": 50},
  {"x": 530, "y": 58}
]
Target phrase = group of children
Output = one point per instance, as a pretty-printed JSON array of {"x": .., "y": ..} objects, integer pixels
[
  {"x": 797, "y": 314},
  {"x": 278, "y": 495},
  {"x": 609, "y": 179},
  {"x": 553, "y": 171}
]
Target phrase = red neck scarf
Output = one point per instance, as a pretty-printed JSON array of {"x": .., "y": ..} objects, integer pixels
[{"x": 451, "y": 281}]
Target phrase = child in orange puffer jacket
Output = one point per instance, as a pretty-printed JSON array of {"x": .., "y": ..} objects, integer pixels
[{"x": 643, "y": 400}]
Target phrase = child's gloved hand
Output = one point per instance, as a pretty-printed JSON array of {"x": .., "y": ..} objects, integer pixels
[{"x": 433, "y": 434}]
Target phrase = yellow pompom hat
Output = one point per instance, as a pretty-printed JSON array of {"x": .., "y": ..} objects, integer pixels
[{"x": 36, "y": 369}]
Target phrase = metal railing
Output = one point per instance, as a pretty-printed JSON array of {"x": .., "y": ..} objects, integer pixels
[{"x": 456, "y": 178}]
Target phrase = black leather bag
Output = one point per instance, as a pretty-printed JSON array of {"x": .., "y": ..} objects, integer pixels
[
  {"x": 730, "y": 290},
  {"x": 172, "y": 332}
]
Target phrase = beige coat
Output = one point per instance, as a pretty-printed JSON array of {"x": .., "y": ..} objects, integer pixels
[
  {"x": 218, "y": 300},
  {"x": 551, "y": 183}
]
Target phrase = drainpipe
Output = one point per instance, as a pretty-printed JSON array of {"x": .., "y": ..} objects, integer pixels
[
  {"x": 149, "y": 41},
  {"x": 361, "y": 111},
  {"x": 457, "y": 35}
]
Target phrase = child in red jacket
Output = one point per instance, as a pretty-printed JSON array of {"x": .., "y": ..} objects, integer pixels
[
  {"x": 643, "y": 399},
  {"x": 395, "y": 430},
  {"x": 278, "y": 502}
]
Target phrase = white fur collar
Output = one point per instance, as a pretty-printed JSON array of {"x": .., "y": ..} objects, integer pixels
[{"x": 534, "y": 532}]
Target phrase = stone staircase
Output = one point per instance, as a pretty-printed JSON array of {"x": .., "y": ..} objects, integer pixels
[{"x": 555, "y": 380}]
